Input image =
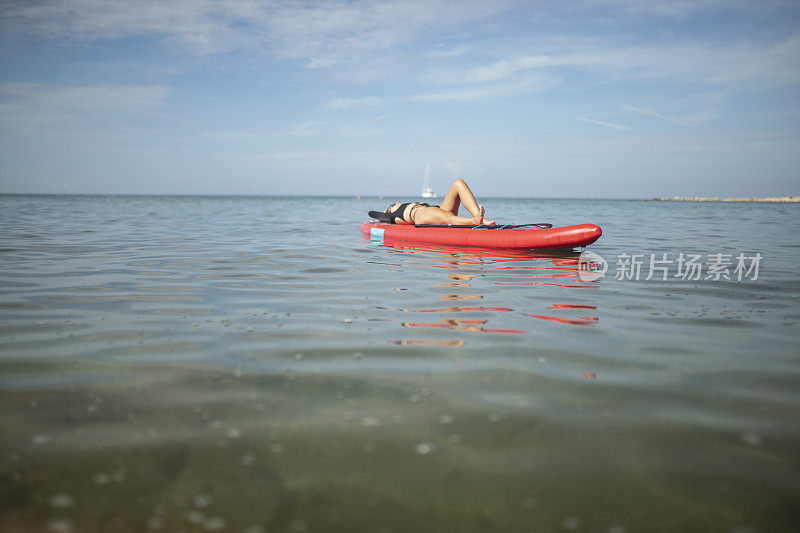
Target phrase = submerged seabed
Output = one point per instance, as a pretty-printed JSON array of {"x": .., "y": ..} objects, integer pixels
[{"x": 254, "y": 364}]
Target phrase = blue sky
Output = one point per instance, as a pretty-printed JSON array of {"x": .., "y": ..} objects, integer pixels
[{"x": 592, "y": 98}]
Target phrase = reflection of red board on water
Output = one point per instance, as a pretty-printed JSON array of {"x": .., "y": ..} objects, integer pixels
[{"x": 500, "y": 237}]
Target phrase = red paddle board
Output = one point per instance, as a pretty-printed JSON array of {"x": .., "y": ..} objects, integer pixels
[{"x": 511, "y": 238}]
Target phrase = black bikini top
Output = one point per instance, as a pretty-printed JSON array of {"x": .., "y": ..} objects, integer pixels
[
  {"x": 392, "y": 216},
  {"x": 402, "y": 209}
]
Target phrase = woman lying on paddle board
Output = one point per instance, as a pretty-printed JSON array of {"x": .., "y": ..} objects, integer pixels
[{"x": 444, "y": 213}]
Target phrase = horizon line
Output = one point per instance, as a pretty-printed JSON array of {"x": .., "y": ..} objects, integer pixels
[{"x": 380, "y": 197}]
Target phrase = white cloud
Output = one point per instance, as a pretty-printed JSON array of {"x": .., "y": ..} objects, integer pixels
[
  {"x": 379, "y": 36},
  {"x": 682, "y": 8},
  {"x": 387, "y": 115},
  {"x": 526, "y": 85},
  {"x": 507, "y": 68},
  {"x": 464, "y": 94},
  {"x": 601, "y": 62},
  {"x": 654, "y": 114},
  {"x": 601, "y": 123},
  {"x": 607, "y": 61},
  {"x": 323, "y": 33}
]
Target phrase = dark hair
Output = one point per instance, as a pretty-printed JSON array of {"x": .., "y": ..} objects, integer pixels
[{"x": 381, "y": 216}]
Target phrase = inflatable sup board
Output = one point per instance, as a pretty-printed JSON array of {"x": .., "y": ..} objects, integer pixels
[{"x": 501, "y": 236}]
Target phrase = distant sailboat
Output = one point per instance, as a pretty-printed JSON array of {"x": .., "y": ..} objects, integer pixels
[{"x": 427, "y": 192}]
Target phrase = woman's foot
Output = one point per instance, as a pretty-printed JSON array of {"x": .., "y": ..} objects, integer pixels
[{"x": 478, "y": 218}]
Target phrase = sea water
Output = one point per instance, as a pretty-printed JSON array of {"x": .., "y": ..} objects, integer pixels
[{"x": 256, "y": 364}]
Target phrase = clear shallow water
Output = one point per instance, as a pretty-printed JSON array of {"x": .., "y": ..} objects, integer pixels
[{"x": 209, "y": 364}]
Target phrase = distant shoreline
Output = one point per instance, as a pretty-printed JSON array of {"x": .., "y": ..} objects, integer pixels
[{"x": 777, "y": 199}]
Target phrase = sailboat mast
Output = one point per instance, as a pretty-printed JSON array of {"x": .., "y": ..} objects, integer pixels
[{"x": 427, "y": 192}]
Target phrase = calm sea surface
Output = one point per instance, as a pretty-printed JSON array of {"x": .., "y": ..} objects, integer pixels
[{"x": 255, "y": 364}]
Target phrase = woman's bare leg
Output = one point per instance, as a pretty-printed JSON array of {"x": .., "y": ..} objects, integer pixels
[{"x": 459, "y": 193}]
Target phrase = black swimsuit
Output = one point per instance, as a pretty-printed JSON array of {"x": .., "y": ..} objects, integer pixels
[{"x": 401, "y": 209}]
